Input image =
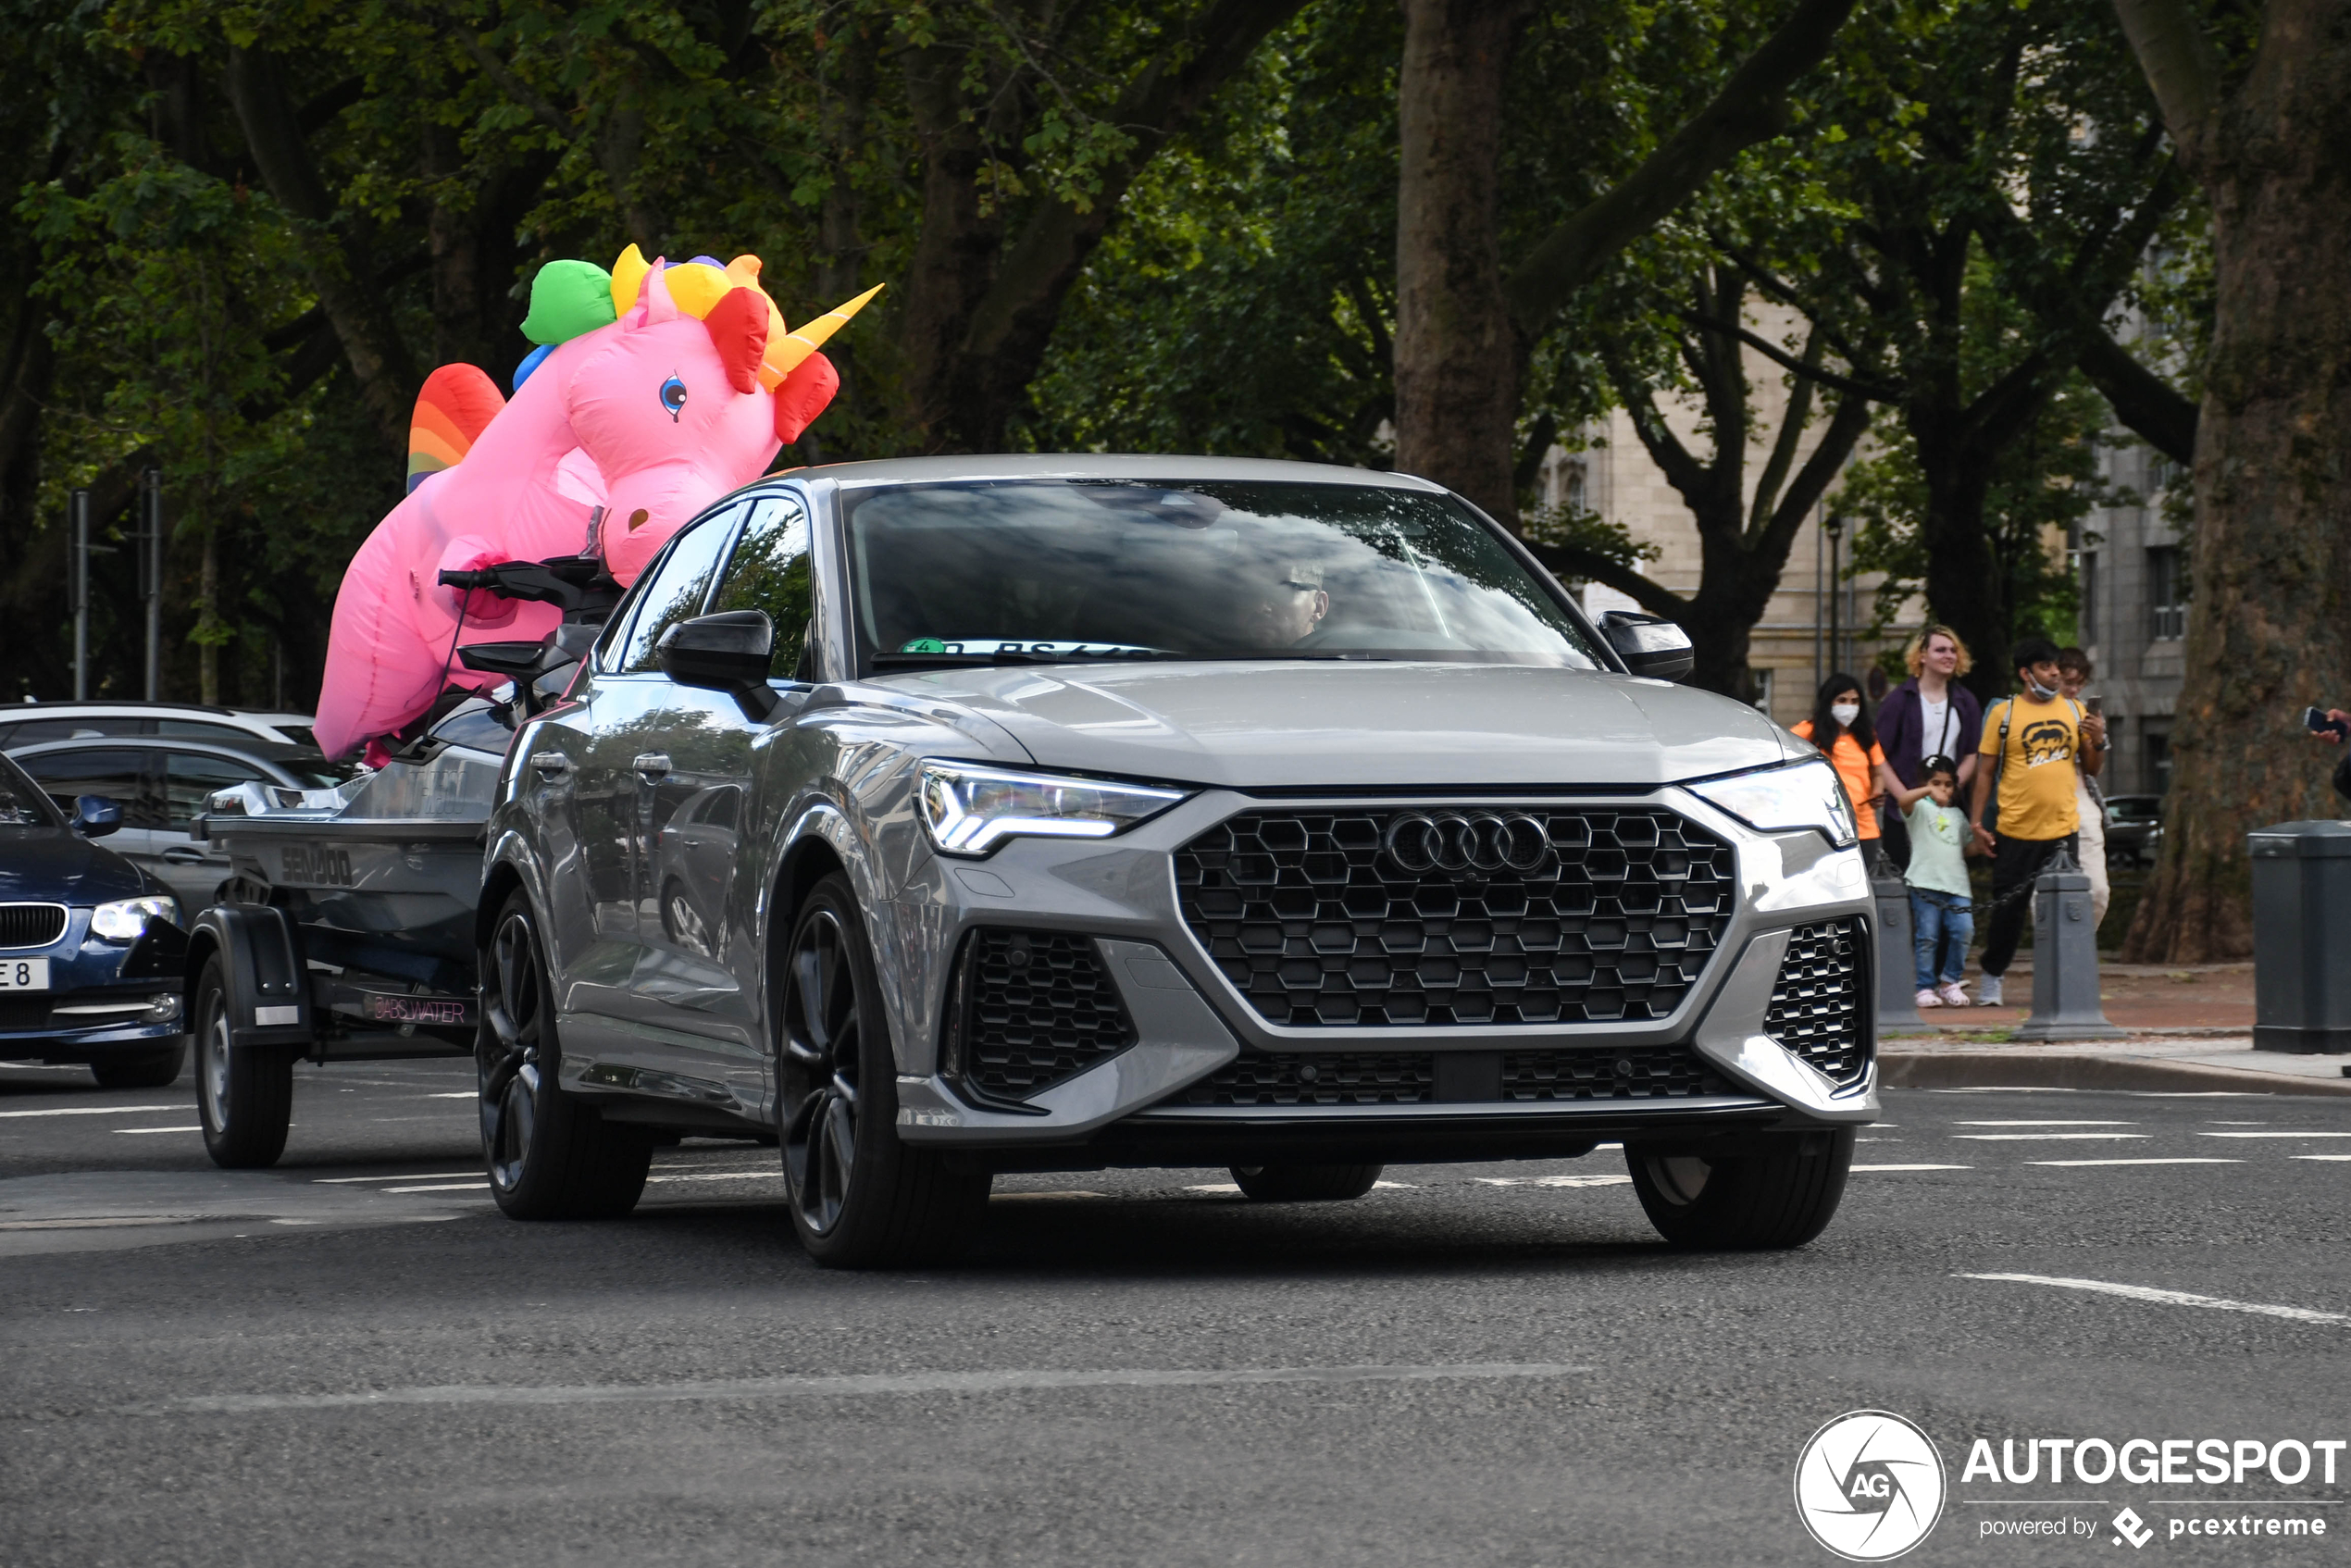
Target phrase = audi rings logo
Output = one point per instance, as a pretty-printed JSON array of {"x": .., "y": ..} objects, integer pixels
[
  {"x": 1482, "y": 842},
  {"x": 1869, "y": 1486}
]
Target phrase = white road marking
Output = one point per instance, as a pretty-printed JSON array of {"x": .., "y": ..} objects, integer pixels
[
  {"x": 405, "y": 1176},
  {"x": 2336, "y": 1157},
  {"x": 2039, "y": 1137},
  {"x": 2150, "y": 1161},
  {"x": 97, "y": 1111},
  {"x": 1555, "y": 1181},
  {"x": 872, "y": 1383},
  {"x": 1215, "y": 1186},
  {"x": 1014, "y": 1197},
  {"x": 443, "y": 1186},
  {"x": 1912, "y": 1167},
  {"x": 2167, "y": 1298},
  {"x": 2042, "y": 1123},
  {"x": 1397, "y": 1186},
  {"x": 456, "y": 1094},
  {"x": 719, "y": 1175},
  {"x": 2274, "y": 1135},
  {"x": 135, "y": 1131}
]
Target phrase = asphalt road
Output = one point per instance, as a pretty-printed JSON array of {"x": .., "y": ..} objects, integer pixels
[{"x": 354, "y": 1359}]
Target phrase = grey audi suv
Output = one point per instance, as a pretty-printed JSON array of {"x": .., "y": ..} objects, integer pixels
[{"x": 950, "y": 816}]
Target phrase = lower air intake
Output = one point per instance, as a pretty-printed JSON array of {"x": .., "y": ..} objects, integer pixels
[{"x": 1818, "y": 1001}]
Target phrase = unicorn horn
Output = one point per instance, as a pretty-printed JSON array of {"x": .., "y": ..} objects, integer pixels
[{"x": 784, "y": 356}]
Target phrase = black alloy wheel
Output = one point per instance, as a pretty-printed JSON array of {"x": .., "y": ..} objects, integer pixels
[
  {"x": 1305, "y": 1184},
  {"x": 1749, "y": 1203},
  {"x": 859, "y": 1197},
  {"x": 550, "y": 1157},
  {"x": 244, "y": 1097}
]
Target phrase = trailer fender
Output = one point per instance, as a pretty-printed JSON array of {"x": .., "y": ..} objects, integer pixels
[{"x": 268, "y": 983}]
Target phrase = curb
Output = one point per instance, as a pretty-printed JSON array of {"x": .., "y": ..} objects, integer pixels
[{"x": 2003, "y": 1070}]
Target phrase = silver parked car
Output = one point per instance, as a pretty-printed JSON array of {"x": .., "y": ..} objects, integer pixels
[{"x": 956, "y": 816}]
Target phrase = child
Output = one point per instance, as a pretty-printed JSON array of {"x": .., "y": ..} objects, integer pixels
[{"x": 1940, "y": 921}]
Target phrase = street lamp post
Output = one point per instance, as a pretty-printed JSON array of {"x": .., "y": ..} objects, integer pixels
[{"x": 1836, "y": 525}]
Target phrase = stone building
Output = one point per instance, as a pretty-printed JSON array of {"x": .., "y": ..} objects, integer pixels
[{"x": 2132, "y": 569}]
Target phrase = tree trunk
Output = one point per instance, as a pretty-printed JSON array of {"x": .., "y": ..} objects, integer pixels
[
  {"x": 2271, "y": 552},
  {"x": 209, "y": 621},
  {"x": 1963, "y": 584},
  {"x": 1457, "y": 355},
  {"x": 2270, "y": 560}
]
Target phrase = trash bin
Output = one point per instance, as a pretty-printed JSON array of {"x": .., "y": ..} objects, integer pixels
[{"x": 2301, "y": 936}]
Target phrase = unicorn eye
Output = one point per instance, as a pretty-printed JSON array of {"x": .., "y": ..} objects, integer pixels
[{"x": 672, "y": 396}]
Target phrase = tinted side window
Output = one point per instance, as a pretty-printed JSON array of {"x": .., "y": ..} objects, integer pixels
[
  {"x": 121, "y": 776},
  {"x": 769, "y": 571},
  {"x": 34, "y": 732},
  {"x": 189, "y": 777},
  {"x": 677, "y": 590},
  {"x": 196, "y": 730}
]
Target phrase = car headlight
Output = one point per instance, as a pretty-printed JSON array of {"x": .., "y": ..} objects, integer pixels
[
  {"x": 125, "y": 920},
  {"x": 969, "y": 810},
  {"x": 1777, "y": 800}
]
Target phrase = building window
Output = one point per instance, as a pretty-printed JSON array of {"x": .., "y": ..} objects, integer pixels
[
  {"x": 1759, "y": 682},
  {"x": 2167, "y": 594},
  {"x": 1575, "y": 487},
  {"x": 2087, "y": 620},
  {"x": 2159, "y": 755}
]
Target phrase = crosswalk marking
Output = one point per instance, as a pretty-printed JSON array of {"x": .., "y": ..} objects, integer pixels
[
  {"x": 2146, "y": 1162},
  {"x": 2168, "y": 1298}
]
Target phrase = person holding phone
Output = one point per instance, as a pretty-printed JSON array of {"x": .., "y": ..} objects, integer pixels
[
  {"x": 2073, "y": 673},
  {"x": 2333, "y": 726},
  {"x": 2026, "y": 801}
]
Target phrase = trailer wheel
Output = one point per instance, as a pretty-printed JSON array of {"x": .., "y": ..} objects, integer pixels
[
  {"x": 550, "y": 1157},
  {"x": 243, "y": 1098}
]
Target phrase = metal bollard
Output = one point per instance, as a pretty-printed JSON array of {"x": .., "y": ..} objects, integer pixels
[
  {"x": 2065, "y": 959},
  {"x": 1896, "y": 957}
]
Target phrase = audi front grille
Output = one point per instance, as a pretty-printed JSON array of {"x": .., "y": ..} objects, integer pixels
[
  {"x": 1443, "y": 915},
  {"x": 1499, "y": 1078}
]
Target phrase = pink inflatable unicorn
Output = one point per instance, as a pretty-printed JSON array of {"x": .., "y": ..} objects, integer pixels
[{"x": 657, "y": 390}]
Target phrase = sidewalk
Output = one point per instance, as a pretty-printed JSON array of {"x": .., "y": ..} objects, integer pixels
[{"x": 2191, "y": 1031}]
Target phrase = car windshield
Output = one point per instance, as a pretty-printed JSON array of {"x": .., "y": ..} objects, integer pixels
[
  {"x": 1057, "y": 571},
  {"x": 23, "y": 803}
]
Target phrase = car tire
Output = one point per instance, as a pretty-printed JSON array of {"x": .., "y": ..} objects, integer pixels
[
  {"x": 1753, "y": 1202},
  {"x": 859, "y": 1197},
  {"x": 550, "y": 1155},
  {"x": 1305, "y": 1184},
  {"x": 146, "y": 1069},
  {"x": 244, "y": 1098}
]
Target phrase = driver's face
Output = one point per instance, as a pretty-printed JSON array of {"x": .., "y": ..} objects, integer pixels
[{"x": 1287, "y": 612}]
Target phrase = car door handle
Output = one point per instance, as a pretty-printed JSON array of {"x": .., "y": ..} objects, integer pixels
[
  {"x": 550, "y": 764},
  {"x": 652, "y": 764},
  {"x": 183, "y": 854}
]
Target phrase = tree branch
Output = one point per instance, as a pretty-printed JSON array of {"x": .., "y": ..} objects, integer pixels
[
  {"x": 1751, "y": 108},
  {"x": 1573, "y": 560},
  {"x": 2144, "y": 401},
  {"x": 2181, "y": 64},
  {"x": 1875, "y": 393}
]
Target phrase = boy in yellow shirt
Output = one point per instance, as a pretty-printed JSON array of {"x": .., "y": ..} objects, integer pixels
[{"x": 2036, "y": 745}]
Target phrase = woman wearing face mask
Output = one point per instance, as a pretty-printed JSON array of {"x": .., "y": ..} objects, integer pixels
[{"x": 1842, "y": 731}]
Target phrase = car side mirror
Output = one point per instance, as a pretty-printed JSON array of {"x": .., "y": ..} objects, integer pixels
[
  {"x": 1649, "y": 645},
  {"x": 95, "y": 817},
  {"x": 729, "y": 651}
]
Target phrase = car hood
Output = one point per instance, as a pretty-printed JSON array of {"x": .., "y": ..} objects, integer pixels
[
  {"x": 57, "y": 866},
  {"x": 1290, "y": 724}
]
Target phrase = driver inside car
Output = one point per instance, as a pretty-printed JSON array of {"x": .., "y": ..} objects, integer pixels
[{"x": 1288, "y": 609}]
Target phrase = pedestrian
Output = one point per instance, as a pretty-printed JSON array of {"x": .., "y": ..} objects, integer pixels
[
  {"x": 1844, "y": 735},
  {"x": 1931, "y": 715},
  {"x": 1942, "y": 920},
  {"x": 2027, "y": 803},
  {"x": 2074, "y": 672}
]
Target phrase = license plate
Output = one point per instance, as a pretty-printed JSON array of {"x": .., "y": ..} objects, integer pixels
[{"x": 24, "y": 975}]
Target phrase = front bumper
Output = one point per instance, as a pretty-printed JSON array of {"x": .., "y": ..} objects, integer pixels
[
  {"x": 1191, "y": 1023},
  {"x": 105, "y": 998}
]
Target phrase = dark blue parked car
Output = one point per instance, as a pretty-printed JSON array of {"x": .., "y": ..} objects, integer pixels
[{"x": 91, "y": 947}]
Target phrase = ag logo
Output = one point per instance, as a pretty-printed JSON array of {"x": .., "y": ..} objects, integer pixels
[{"x": 1869, "y": 1486}]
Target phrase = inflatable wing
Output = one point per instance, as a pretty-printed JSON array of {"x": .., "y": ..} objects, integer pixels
[{"x": 655, "y": 389}]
